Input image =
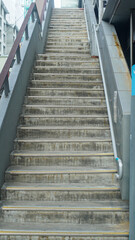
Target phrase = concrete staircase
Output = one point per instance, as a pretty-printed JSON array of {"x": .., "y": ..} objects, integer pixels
[{"x": 61, "y": 183}]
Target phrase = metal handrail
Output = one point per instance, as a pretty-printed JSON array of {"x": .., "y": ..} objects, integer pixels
[
  {"x": 15, "y": 50},
  {"x": 118, "y": 160}
]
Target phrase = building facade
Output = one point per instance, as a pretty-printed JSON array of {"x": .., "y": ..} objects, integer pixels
[{"x": 3, "y": 27}]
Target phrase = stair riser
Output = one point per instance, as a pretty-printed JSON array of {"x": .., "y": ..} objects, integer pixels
[
  {"x": 64, "y": 111},
  {"x": 70, "y": 93},
  {"x": 99, "y": 122},
  {"x": 63, "y": 57},
  {"x": 56, "y": 45},
  {"x": 68, "y": 64},
  {"x": 42, "y": 69},
  {"x": 67, "y": 77},
  {"x": 99, "y": 179},
  {"x": 72, "y": 217},
  {"x": 66, "y": 39},
  {"x": 65, "y": 102},
  {"x": 64, "y": 146},
  {"x": 58, "y": 237},
  {"x": 59, "y": 195},
  {"x": 91, "y": 85},
  {"x": 68, "y": 17},
  {"x": 59, "y": 134},
  {"x": 93, "y": 161},
  {"x": 82, "y": 52},
  {"x": 68, "y": 48},
  {"x": 60, "y": 29}
]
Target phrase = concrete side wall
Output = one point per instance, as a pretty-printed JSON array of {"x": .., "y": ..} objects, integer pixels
[
  {"x": 10, "y": 107},
  {"x": 91, "y": 22},
  {"x": 118, "y": 82}
]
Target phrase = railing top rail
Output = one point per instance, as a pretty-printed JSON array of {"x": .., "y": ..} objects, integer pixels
[{"x": 34, "y": 6}]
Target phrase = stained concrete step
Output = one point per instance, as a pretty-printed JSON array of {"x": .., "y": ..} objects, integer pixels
[
  {"x": 67, "y": 30},
  {"x": 57, "y": 69},
  {"x": 64, "y": 101},
  {"x": 88, "y": 159},
  {"x": 71, "y": 77},
  {"x": 66, "y": 39},
  {"x": 60, "y": 174},
  {"x": 67, "y": 84},
  {"x": 70, "y": 121},
  {"x": 60, "y": 231},
  {"x": 67, "y": 50},
  {"x": 73, "y": 48},
  {"x": 59, "y": 192},
  {"x": 62, "y": 132},
  {"x": 70, "y": 17},
  {"x": 70, "y": 57},
  {"x": 76, "y": 144},
  {"x": 68, "y": 63},
  {"x": 71, "y": 92},
  {"x": 63, "y": 110},
  {"x": 58, "y": 27},
  {"x": 67, "y": 44},
  {"x": 113, "y": 212}
]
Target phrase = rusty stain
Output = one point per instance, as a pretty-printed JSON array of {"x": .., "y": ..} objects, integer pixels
[{"x": 118, "y": 46}]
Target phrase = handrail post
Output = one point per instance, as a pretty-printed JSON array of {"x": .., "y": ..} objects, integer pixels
[
  {"x": 18, "y": 55},
  {"x": 26, "y": 33},
  {"x": 6, "y": 86},
  {"x": 132, "y": 162}
]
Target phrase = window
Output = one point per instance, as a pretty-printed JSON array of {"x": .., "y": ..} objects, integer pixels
[
  {"x": 4, "y": 26},
  {"x": 4, "y": 38},
  {"x": 4, "y": 50}
]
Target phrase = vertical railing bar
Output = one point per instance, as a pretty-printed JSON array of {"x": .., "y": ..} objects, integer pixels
[
  {"x": 18, "y": 55},
  {"x": 6, "y": 86},
  {"x": 26, "y": 33}
]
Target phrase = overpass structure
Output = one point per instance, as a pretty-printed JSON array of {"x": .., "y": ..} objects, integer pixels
[{"x": 66, "y": 125}]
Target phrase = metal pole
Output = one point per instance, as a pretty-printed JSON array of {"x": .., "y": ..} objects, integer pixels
[
  {"x": 132, "y": 162},
  {"x": 100, "y": 10}
]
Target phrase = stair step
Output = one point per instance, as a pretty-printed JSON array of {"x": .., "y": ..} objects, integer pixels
[
  {"x": 71, "y": 77},
  {"x": 59, "y": 174},
  {"x": 64, "y": 232},
  {"x": 58, "y": 192},
  {"x": 83, "y": 144},
  {"x": 62, "y": 132},
  {"x": 113, "y": 212},
  {"x": 71, "y": 92},
  {"x": 53, "y": 69},
  {"x": 66, "y": 39},
  {"x": 58, "y": 120},
  {"x": 89, "y": 159},
  {"x": 66, "y": 110},
  {"x": 66, "y": 56},
  {"x": 67, "y": 50},
  {"x": 68, "y": 63},
  {"x": 46, "y": 100},
  {"x": 65, "y": 84}
]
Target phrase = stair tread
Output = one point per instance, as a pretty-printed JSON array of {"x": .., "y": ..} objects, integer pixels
[
  {"x": 57, "y": 169},
  {"x": 63, "y": 127},
  {"x": 60, "y": 116},
  {"x": 59, "y": 187},
  {"x": 61, "y": 153},
  {"x": 65, "y": 229},
  {"x": 112, "y": 205}
]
